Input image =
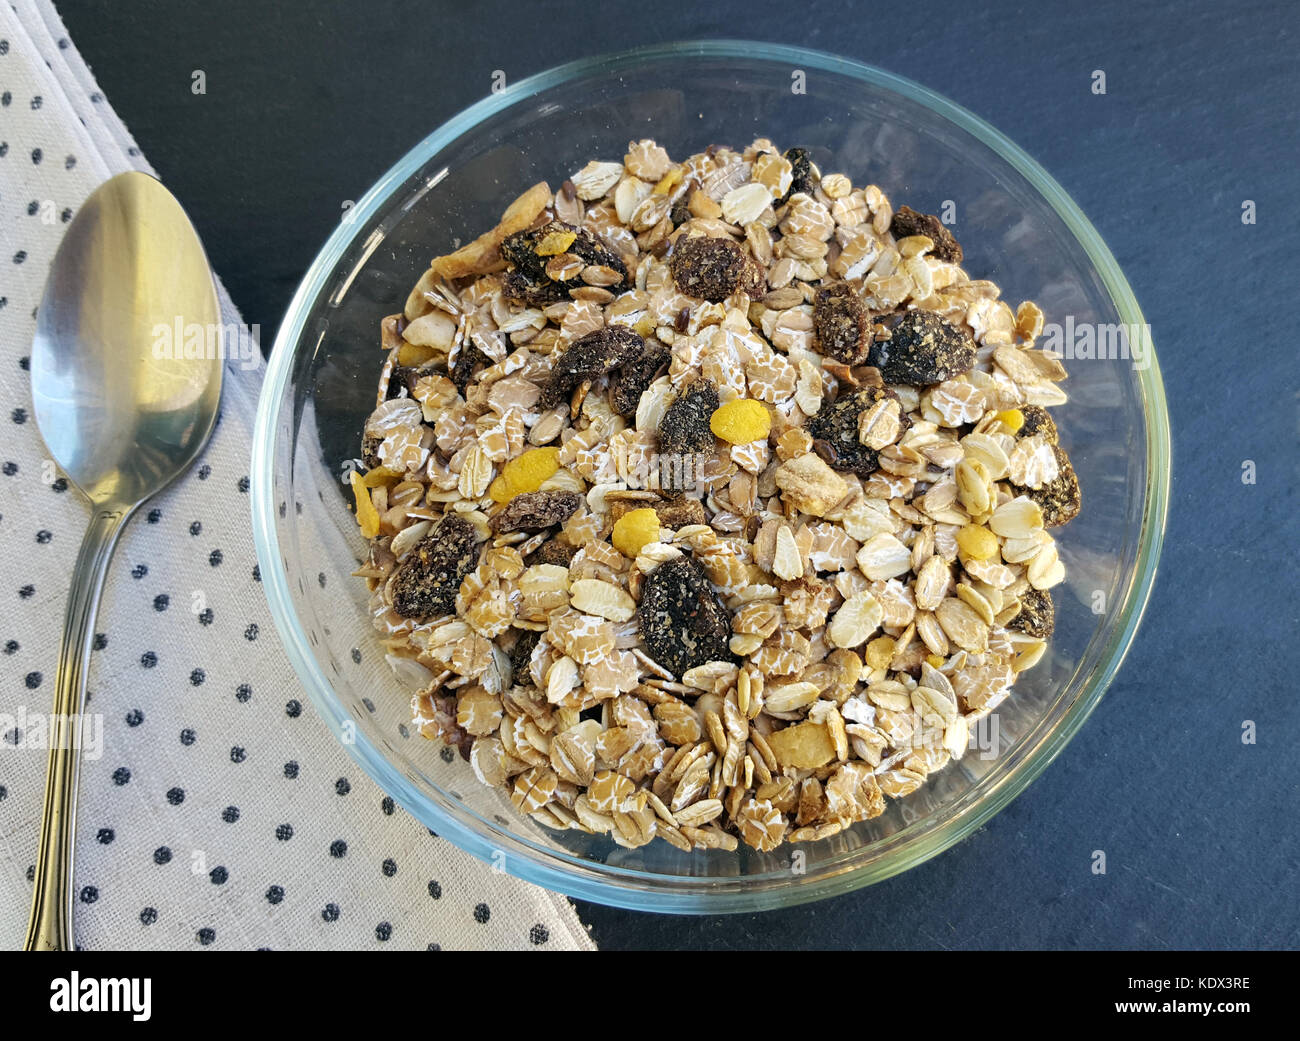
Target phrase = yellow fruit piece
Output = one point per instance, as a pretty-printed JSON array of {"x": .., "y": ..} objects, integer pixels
[
  {"x": 669, "y": 181},
  {"x": 379, "y": 475},
  {"x": 367, "y": 515},
  {"x": 935, "y": 660},
  {"x": 645, "y": 325},
  {"x": 555, "y": 243},
  {"x": 635, "y": 529},
  {"x": 741, "y": 421},
  {"x": 1013, "y": 419},
  {"x": 413, "y": 354},
  {"x": 880, "y": 652},
  {"x": 977, "y": 542},
  {"x": 525, "y": 473}
]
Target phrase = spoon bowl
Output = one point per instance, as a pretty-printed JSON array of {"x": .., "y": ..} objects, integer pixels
[
  {"x": 121, "y": 406},
  {"x": 126, "y": 380}
]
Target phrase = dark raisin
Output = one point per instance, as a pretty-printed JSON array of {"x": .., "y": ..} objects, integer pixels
[
  {"x": 468, "y": 361},
  {"x": 1037, "y": 421},
  {"x": 587, "y": 358},
  {"x": 713, "y": 269},
  {"x": 527, "y": 279},
  {"x": 1059, "y": 499},
  {"x": 835, "y": 431},
  {"x": 553, "y": 551},
  {"x": 908, "y": 222},
  {"x": 520, "y": 653},
  {"x": 680, "y": 213},
  {"x": 682, "y": 621},
  {"x": 426, "y": 582},
  {"x": 801, "y": 173},
  {"x": 1037, "y": 615},
  {"x": 922, "y": 349},
  {"x": 533, "y": 511},
  {"x": 444, "y": 721},
  {"x": 685, "y": 425},
  {"x": 635, "y": 375},
  {"x": 403, "y": 377},
  {"x": 370, "y": 450},
  {"x": 843, "y": 324}
]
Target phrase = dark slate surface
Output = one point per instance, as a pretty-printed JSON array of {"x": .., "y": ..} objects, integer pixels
[{"x": 307, "y": 104}]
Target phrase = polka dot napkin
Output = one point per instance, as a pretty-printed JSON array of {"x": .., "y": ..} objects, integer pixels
[{"x": 219, "y": 812}]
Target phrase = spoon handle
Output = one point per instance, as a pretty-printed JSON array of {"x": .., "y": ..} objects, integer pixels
[{"x": 50, "y": 925}]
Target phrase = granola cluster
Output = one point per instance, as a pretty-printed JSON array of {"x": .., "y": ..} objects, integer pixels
[{"x": 710, "y": 500}]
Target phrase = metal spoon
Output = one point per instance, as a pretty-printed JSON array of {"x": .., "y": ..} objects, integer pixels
[{"x": 123, "y": 411}]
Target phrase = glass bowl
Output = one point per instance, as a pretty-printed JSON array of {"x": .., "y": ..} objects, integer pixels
[{"x": 1017, "y": 227}]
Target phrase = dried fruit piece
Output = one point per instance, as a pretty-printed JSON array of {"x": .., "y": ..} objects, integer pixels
[
  {"x": 977, "y": 542},
  {"x": 482, "y": 254},
  {"x": 712, "y": 269},
  {"x": 525, "y": 473},
  {"x": 380, "y": 475},
  {"x": 1037, "y": 616},
  {"x": 635, "y": 376},
  {"x": 1012, "y": 418},
  {"x": 922, "y": 348},
  {"x": 843, "y": 323},
  {"x": 587, "y": 358},
  {"x": 553, "y": 551},
  {"x": 533, "y": 511},
  {"x": 908, "y": 222},
  {"x": 367, "y": 515},
  {"x": 520, "y": 653},
  {"x": 1060, "y": 499},
  {"x": 1034, "y": 420},
  {"x": 683, "y": 623},
  {"x": 685, "y": 426},
  {"x": 635, "y": 529},
  {"x": 426, "y": 582},
  {"x": 837, "y": 427},
  {"x": 553, "y": 243},
  {"x": 465, "y": 365},
  {"x": 741, "y": 421},
  {"x": 527, "y": 279},
  {"x": 801, "y": 173}
]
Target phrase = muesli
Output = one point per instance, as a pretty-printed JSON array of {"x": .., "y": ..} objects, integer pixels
[{"x": 711, "y": 500}]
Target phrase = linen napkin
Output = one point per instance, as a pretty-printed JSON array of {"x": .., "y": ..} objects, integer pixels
[{"x": 217, "y": 811}]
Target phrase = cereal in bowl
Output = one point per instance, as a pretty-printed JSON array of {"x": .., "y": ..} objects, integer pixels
[{"x": 711, "y": 501}]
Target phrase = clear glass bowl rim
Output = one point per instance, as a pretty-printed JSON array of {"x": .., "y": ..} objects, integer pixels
[{"x": 620, "y": 887}]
